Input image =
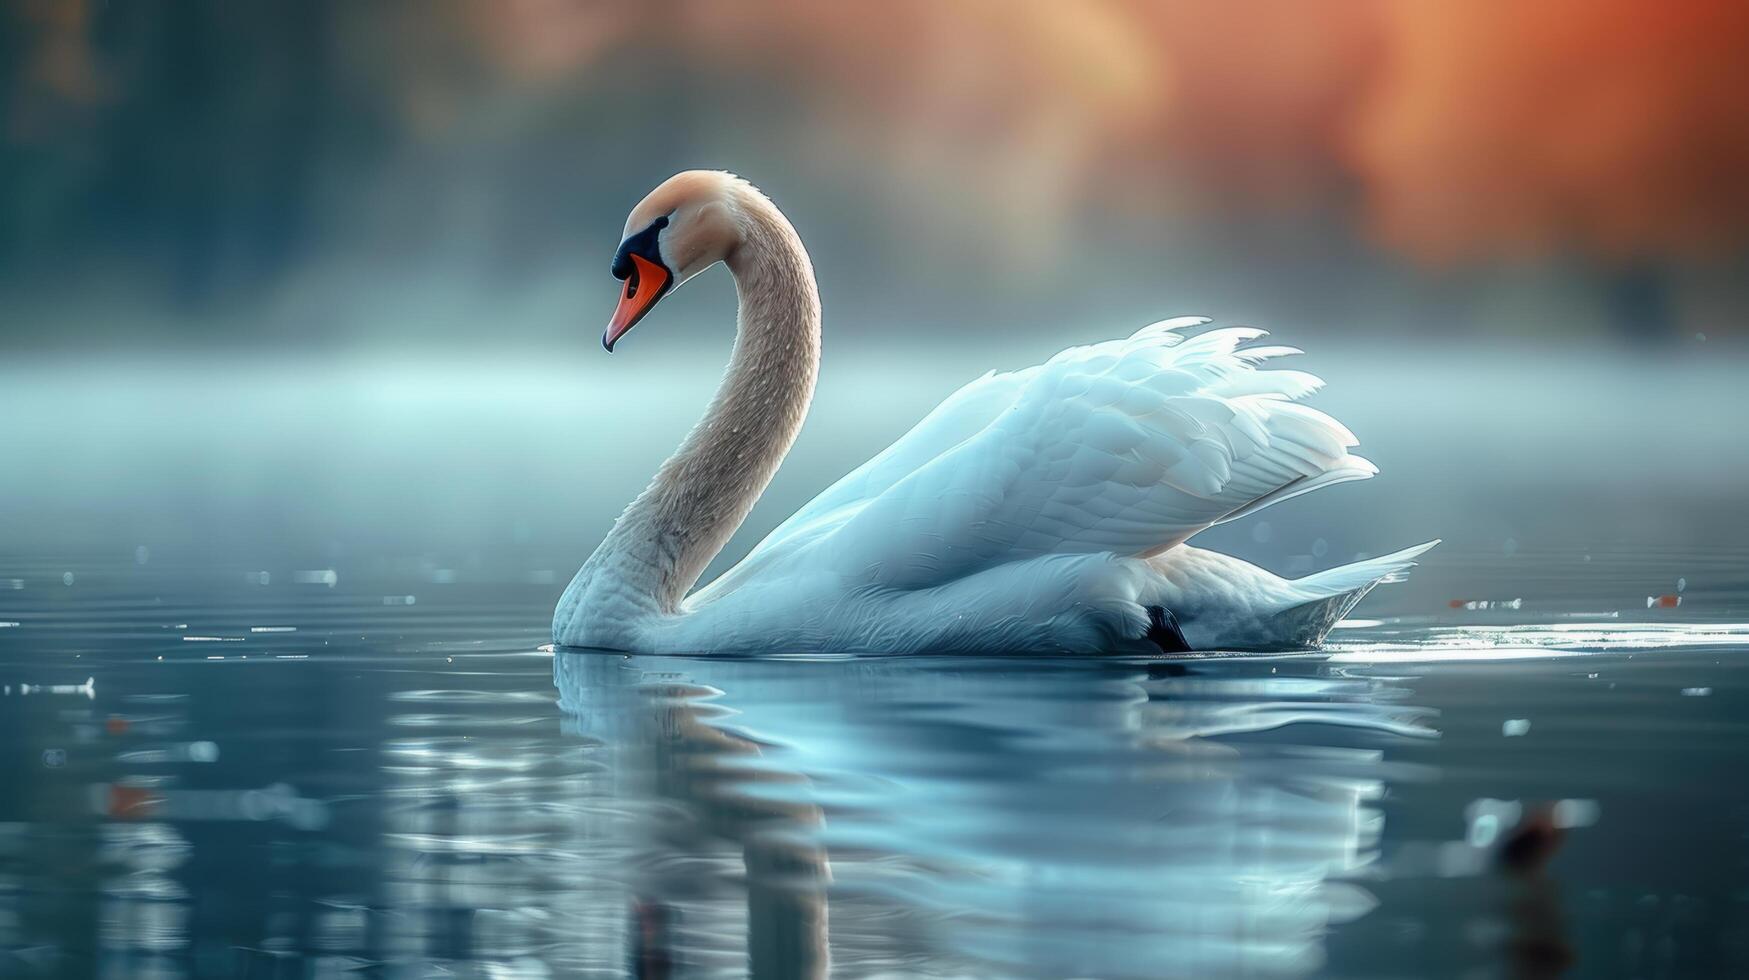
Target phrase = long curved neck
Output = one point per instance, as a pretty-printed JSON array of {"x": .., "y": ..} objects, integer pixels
[{"x": 662, "y": 543}]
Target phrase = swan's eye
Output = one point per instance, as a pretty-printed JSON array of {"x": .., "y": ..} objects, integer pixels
[{"x": 644, "y": 244}]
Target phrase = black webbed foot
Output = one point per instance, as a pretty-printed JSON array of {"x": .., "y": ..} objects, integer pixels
[{"x": 1164, "y": 632}]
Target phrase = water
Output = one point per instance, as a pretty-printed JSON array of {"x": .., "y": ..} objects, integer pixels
[
  {"x": 289, "y": 711},
  {"x": 212, "y": 776}
]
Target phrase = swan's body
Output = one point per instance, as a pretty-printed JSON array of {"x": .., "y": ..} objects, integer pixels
[{"x": 1040, "y": 510}]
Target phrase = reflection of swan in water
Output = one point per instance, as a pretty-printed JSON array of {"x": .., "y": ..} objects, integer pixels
[
  {"x": 712, "y": 772},
  {"x": 1052, "y": 818}
]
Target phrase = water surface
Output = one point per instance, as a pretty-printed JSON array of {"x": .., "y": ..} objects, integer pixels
[
  {"x": 275, "y": 702},
  {"x": 299, "y": 773}
]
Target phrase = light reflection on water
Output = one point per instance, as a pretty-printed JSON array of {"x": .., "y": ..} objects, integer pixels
[{"x": 418, "y": 789}]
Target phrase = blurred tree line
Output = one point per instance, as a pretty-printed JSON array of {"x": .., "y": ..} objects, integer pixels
[{"x": 309, "y": 165}]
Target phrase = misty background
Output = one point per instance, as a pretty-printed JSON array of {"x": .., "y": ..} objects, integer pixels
[{"x": 322, "y": 283}]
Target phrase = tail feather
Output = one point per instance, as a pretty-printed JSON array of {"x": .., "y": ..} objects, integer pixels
[
  {"x": 1332, "y": 593},
  {"x": 1365, "y": 574}
]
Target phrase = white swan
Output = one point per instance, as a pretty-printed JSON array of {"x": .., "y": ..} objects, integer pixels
[{"x": 1039, "y": 510}]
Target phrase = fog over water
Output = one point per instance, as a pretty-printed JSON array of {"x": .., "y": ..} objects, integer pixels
[{"x": 523, "y": 462}]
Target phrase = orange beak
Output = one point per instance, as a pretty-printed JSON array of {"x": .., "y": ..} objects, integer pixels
[{"x": 647, "y": 283}]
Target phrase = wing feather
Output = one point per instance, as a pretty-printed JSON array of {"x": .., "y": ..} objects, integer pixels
[{"x": 1129, "y": 446}]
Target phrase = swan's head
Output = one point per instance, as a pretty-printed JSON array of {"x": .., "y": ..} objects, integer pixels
[{"x": 683, "y": 227}]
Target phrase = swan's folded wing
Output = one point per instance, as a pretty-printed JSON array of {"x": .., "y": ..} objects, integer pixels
[
  {"x": 1130, "y": 447},
  {"x": 959, "y": 417}
]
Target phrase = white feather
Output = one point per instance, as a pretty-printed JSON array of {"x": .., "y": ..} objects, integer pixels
[{"x": 1101, "y": 461}]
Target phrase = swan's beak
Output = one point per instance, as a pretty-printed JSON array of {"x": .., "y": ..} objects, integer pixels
[{"x": 647, "y": 284}]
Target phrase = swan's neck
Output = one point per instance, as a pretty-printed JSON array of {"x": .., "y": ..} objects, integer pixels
[{"x": 662, "y": 543}]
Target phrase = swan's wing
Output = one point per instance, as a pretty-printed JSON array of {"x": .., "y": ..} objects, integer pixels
[
  {"x": 1129, "y": 446},
  {"x": 960, "y": 416}
]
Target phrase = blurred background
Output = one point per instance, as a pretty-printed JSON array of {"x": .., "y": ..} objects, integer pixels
[
  {"x": 400, "y": 174},
  {"x": 330, "y": 276}
]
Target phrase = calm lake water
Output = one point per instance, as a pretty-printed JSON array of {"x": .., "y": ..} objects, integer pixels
[
  {"x": 275, "y": 702},
  {"x": 220, "y": 773}
]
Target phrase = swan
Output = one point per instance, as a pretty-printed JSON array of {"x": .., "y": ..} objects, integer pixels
[{"x": 1040, "y": 510}]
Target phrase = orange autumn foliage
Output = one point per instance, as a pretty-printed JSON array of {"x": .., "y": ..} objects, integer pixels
[{"x": 1616, "y": 127}]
